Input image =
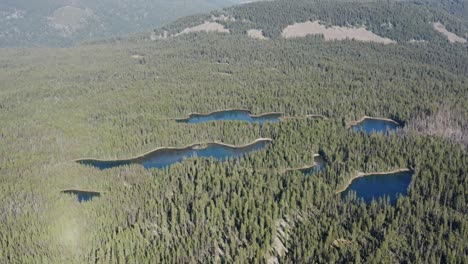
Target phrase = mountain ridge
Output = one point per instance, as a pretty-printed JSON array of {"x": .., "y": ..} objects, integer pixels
[{"x": 61, "y": 23}]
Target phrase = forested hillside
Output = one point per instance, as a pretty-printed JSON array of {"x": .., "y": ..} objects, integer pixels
[
  {"x": 399, "y": 21},
  {"x": 114, "y": 100},
  {"x": 32, "y": 23},
  {"x": 455, "y": 7}
]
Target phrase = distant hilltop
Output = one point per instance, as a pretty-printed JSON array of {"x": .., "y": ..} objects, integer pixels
[
  {"x": 61, "y": 23},
  {"x": 31, "y": 23},
  {"x": 367, "y": 21}
]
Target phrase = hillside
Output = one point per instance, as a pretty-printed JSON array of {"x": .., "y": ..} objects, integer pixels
[
  {"x": 398, "y": 21},
  {"x": 456, "y": 7},
  {"x": 30, "y": 23},
  {"x": 120, "y": 98}
]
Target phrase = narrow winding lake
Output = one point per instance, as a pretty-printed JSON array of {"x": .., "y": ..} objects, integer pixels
[
  {"x": 165, "y": 157},
  {"x": 83, "y": 196},
  {"x": 370, "y": 125},
  {"x": 376, "y": 186},
  {"x": 231, "y": 115}
]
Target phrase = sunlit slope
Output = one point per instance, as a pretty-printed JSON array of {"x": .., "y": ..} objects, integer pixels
[
  {"x": 397, "y": 21},
  {"x": 29, "y": 23},
  {"x": 119, "y": 100},
  {"x": 456, "y": 7}
]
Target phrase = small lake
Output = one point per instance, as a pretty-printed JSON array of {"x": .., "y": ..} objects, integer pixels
[
  {"x": 165, "y": 157},
  {"x": 231, "y": 115},
  {"x": 376, "y": 186},
  {"x": 369, "y": 126},
  {"x": 83, "y": 196}
]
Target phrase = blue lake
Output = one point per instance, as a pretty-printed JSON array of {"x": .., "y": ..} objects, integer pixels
[
  {"x": 162, "y": 158},
  {"x": 231, "y": 115},
  {"x": 375, "y": 126},
  {"x": 83, "y": 196},
  {"x": 376, "y": 186}
]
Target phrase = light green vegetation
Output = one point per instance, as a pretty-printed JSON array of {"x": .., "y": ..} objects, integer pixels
[
  {"x": 32, "y": 23},
  {"x": 57, "y": 105}
]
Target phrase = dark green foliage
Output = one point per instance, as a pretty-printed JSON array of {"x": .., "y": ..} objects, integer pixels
[
  {"x": 456, "y": 7},
  {"x": 400, "y": 21},
  {"x": 57, "y": 105}
]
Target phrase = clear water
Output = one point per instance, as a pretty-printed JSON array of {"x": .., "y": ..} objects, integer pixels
[
  {"x": 375, "y": 126},
  {"x": 83, "y": 196},
  {"x": 377, "y": 186},
  {"x": 231, "y": 115},
  {"x": 166, "y": 157}
]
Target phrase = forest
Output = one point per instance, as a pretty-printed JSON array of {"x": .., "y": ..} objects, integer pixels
[
  {"x": 401, "y": 21},
  {"x": 64, "y": 23},
  {"x": 119, "y": 97}
]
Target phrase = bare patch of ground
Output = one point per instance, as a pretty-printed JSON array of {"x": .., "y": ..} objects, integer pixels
[
  {"x": 69, "y": 19},
  {"x": 452, "y": 37},
  {"x": 154, "y": 37},
  {"x": 284, "y": 226},
  {"x": 225, "y": 18},
  {"x": 332, "y": 33},
  {"x": 16, "y": 14},
  {"x": 417, "y": 41},
  {"x": 206, "y": 27},
  {"x": 337, "y": 243},
  {"x": 256, "y": 34},
  {"x": 278, "y": 248}
]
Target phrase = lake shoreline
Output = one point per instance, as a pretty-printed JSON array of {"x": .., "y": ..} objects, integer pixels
[
  {"x": 304, "y": 167},
  {"x": 195, "y": 146},
  {"x": 191, "y": 115},
  {"x": 303, "y": 117},
  {"x": 362, "y": 174},
  {"x": 356, "y": 122},
  {"x": 281, "y": 115},
  {"x": 81, "y": 191}
]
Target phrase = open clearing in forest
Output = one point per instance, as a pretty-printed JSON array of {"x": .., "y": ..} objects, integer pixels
[
  {"x": 452, "y": 37},
  {"x": 332, "y": 33},
  {"x": 256, "y": 34},
  {"x": 69, "y": 19},
  {"x": 206, "y": 27},
  {"x": 224, "y": 18}
]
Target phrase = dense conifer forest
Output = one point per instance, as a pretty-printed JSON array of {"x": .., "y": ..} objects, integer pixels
[
  {"x": 401, "y": 21},
  {"x": 118, "y": 98}
]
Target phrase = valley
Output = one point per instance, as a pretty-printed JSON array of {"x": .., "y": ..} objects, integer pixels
[{"x": 228, "y": 146}]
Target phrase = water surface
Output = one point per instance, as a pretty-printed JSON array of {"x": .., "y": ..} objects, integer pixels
[
  {"x": 231, "y": 115},
  {"x": 162, "y": 158},
  {"x": 376, "y": 186},
  {"x": 375, "y": 126},
  {"x": 83, "y": 196}
]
